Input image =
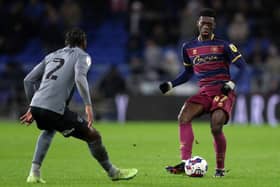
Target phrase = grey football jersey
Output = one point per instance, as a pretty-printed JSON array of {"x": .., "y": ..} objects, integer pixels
[{"x": 58, "y": 73}]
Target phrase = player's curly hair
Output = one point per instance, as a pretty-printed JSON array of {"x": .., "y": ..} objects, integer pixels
[
  {"x": 207, "y": 12},
  {"x": 75, "y": 37}
]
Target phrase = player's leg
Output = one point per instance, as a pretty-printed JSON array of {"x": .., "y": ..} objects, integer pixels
[
  {"x": 42, "y": 146},
  {"x": 98, "y": 151},
  {"x": 185, "y": 117},
  {"x": 188, "y": 112},
  {"x": 218, "y": 119},
  {"x": 220, "y": 113},
  {"x": 94, "y": 140},
  {"x": 41, "y": 149}
]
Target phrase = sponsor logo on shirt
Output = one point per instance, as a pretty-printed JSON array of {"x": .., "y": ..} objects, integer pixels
[{"x": 199, "y": 60}]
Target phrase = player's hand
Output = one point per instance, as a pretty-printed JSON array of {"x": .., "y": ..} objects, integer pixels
[
  {"x": 27, "y": 118},
  {"x": 165, "y": 87},
  {"x": 89, "y": 114},
  {"x": 227, "y": 87}
]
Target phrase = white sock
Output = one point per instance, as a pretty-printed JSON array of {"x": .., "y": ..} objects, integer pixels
[
  {"x": 113, "y": 170},
  {"x": 35, "y": 169}
]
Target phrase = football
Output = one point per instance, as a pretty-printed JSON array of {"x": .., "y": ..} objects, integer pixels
[{"x": 196, "y": 167}]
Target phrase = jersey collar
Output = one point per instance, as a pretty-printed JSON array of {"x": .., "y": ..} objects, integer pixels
[{"x": 200, "y": 39}]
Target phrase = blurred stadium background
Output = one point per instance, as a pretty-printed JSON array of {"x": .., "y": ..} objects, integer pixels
[{"x": 134, "y": 46}]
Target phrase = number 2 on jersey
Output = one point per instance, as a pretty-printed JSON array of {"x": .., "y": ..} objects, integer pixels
[{"x": 60, "y": 62}]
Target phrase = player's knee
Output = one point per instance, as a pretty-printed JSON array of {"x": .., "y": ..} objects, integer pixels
[
  {"x": 218, "y": 117},
  {"x": 216, "y": 129},
  {"x": 94, "y": 135},
  {"x": 182, "y": 119},
  {"x": 47, "y": 135},
  {"x": 217, "y": 121}
]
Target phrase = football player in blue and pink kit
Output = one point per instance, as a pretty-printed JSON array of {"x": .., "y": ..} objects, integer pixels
[{"x": 208, "y": 58}]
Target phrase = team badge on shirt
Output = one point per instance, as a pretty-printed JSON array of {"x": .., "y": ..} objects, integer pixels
[{"x": 233, "y": 48}]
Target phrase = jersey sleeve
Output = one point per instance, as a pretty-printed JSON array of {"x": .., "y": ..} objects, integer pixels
[
  {"x": 81, "y": 69},
  {"x": 183, "y": 77},
  {"x": 232, "y": 53},
  {"x": 236, "y": 58},
  {"x": 185, "y": 56},
  {"x": 33, "y": 79},
  {"x": 188, "y": 72}
]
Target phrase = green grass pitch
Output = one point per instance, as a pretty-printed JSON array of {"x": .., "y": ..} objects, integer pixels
[{"x": 253, "y": 156}]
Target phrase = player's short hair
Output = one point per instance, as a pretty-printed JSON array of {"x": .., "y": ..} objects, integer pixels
[
  {"x": 207, "y": 12},
  {"x": 75, "y": 37}
]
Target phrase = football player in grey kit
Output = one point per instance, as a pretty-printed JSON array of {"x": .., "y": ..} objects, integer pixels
[{"x": 49, "y": 87}]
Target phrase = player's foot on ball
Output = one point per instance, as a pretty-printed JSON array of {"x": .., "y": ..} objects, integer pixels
[
  {"x": 35, "y": 179},
  {"x": 124, "y": 174},
  {"x": 178, "y": 169},
  {"x": 220, "y": 173}
]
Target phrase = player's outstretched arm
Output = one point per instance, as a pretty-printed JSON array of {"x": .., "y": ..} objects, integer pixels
[
  {"x": 165, "y": 87},
  {"x": 182, "y": 78}
]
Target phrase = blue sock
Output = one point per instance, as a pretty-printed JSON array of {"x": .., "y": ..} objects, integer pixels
[
  {"x": 99, "y": 152},
  {"x": 42, "y": 147}
]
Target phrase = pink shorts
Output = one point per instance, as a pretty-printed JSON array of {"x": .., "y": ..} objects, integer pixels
[{"x": 213, "y": 99}]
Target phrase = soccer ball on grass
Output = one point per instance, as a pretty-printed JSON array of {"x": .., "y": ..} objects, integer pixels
[{"x": 196, "y": 167}]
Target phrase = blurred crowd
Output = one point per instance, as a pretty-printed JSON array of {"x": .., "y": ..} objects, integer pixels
[
  {"x": 157, "y": 29},
  {"x": 23, "y": 20},
  {"x": 154, "y": 32}
]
